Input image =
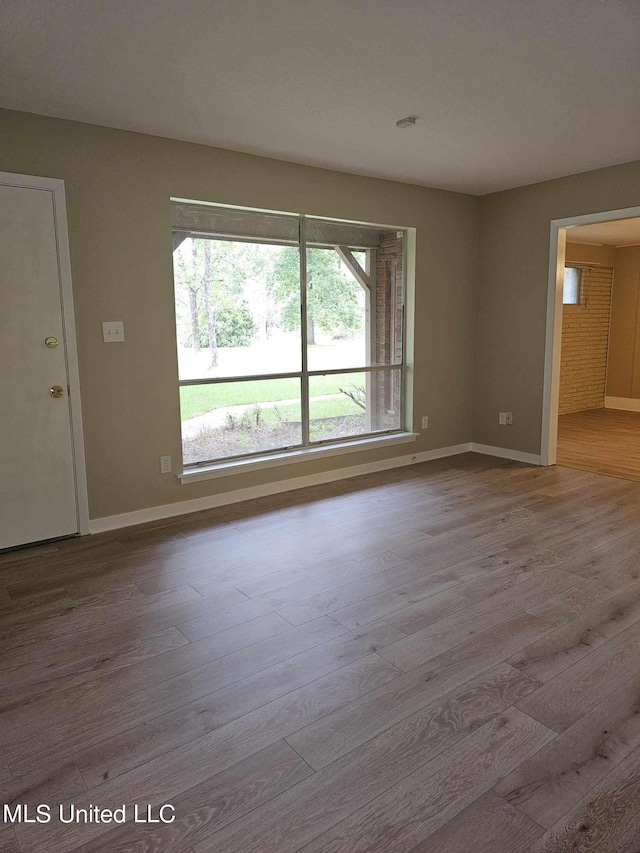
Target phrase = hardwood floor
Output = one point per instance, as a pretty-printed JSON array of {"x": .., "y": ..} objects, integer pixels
[
  {"x": 433, "y": 659},
  {"x": 605, "y": 441}
]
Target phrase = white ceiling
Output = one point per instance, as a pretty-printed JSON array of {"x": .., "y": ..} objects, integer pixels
[
  {"x": 508, "y": 92},
  {"x": 618, "y": 232}
]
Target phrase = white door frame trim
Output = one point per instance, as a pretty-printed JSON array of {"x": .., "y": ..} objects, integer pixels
[
  {"x": 56, "y": 187},
  {"x": 553, "y": 342}
]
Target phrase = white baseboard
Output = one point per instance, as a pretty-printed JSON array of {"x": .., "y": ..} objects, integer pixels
[
  {"x": 626, "y": 404},
  {"x": 506, "y": 453},
  {"x": 156, "y": 513}
]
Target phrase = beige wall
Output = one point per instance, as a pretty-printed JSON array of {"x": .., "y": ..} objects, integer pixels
[
  {"x": 118, "y": 186},
  {"x": 585, "y": 253},
  {"x": 623, "y": 376},
  {"x": 511, "y": 299}
]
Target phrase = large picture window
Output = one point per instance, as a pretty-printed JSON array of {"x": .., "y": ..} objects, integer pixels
[{"x": 289, "y": 329}]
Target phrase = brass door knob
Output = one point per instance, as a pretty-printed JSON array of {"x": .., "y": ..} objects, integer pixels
[{"x": 56, "y": 391}]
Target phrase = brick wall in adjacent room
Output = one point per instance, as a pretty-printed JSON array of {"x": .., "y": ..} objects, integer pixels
[{"x": 585, "y": 334}]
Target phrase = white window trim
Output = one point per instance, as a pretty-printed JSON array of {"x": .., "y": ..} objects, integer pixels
[{"x": 290, "y": 457}]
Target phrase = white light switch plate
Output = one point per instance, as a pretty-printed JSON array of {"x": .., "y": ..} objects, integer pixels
[{"x": 113, "y": 332}]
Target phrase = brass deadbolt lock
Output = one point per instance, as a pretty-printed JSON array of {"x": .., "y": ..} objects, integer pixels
[
  {"x": 51, "y": 342},
  {"x": 56, "y": 391}
]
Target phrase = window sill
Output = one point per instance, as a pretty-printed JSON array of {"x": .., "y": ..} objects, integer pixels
[{"x": 290, "y": 457}]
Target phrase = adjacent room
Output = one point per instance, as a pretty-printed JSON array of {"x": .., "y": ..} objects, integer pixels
[
  {"x": 319, "y": 433},
  {"x": 599, "y": 409}
]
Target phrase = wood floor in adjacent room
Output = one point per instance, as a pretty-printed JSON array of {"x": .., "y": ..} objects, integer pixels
[
  {"x": 437, "y": 659},
  {"x": 606, "y": 441}
]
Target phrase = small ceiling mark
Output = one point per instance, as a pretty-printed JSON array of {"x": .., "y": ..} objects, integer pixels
[{"x": 409, "y": 121}]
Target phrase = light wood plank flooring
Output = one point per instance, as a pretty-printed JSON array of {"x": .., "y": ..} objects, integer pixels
[
  {"x": 443, "y": 658},
  {"x": 606, "y": 441}
]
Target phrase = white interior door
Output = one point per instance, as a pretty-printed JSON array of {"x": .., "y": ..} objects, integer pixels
[{"x": 38, "y": 494}]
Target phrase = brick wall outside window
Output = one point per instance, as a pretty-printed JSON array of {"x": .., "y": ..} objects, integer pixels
[
  {"x": 585, "y": 335},
  {"x": 388, "y": 308}
]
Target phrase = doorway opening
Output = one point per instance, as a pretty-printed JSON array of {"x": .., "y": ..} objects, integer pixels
[{"x": 591, "y": 418}]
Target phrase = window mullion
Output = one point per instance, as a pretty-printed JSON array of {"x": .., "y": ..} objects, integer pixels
[{"x": 304, "y": 381}]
